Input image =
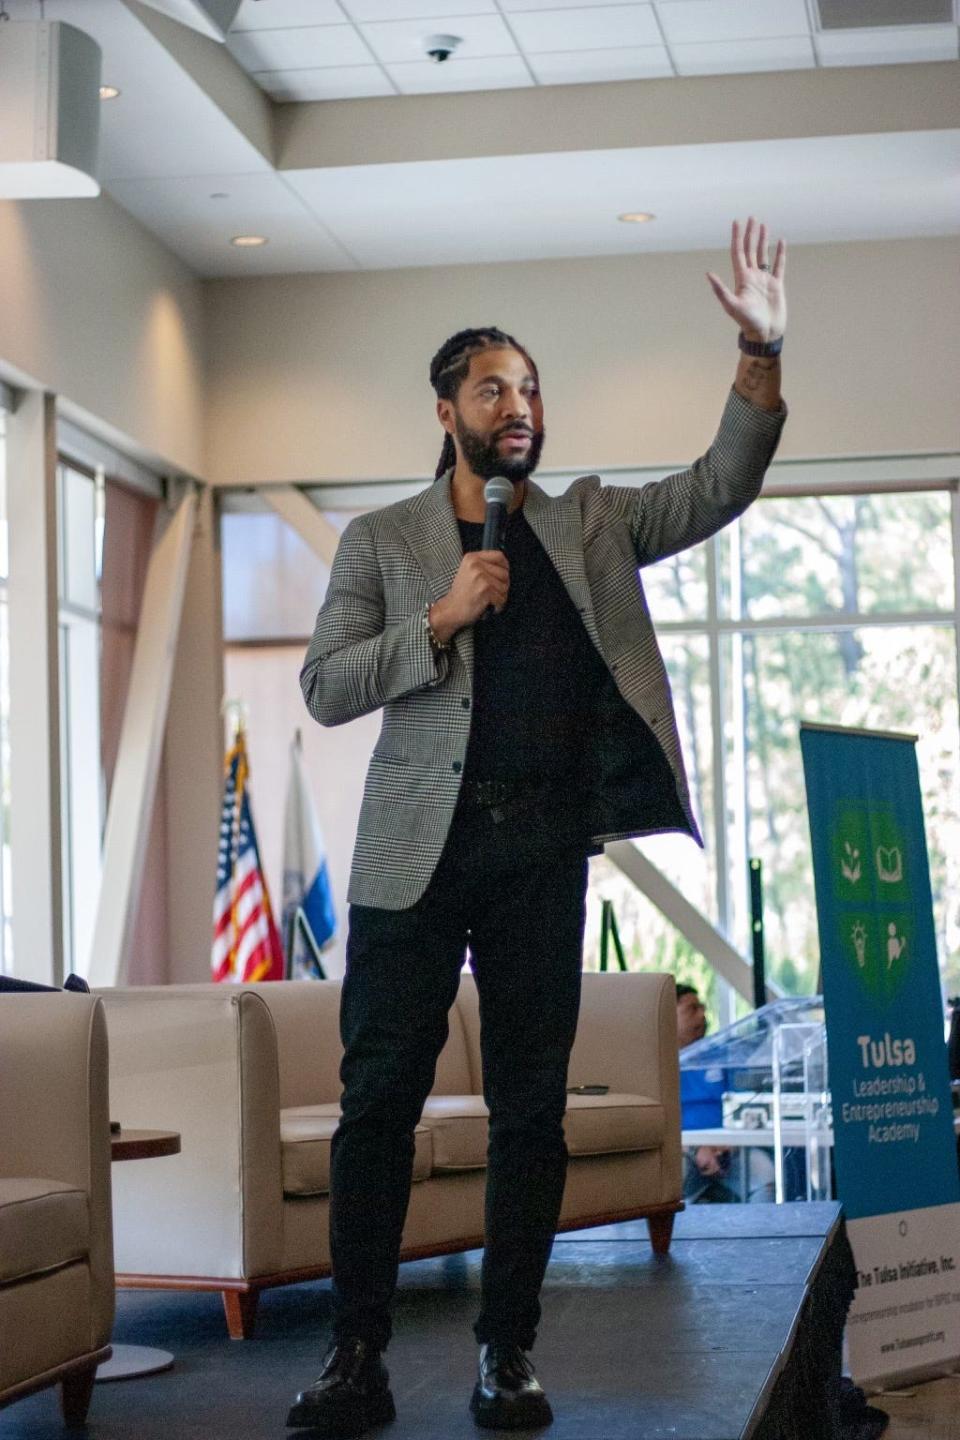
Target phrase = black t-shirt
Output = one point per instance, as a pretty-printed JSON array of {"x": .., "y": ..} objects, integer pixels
[{"x": 536, "y": 673}]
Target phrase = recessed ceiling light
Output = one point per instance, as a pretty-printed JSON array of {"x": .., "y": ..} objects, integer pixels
[
  {"x": 635, "y": 217},
  {"x": 108, "y": 92},
  {"x": 248, "y": 241}
]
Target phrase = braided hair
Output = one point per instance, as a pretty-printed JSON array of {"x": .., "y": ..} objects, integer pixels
[{"x": 448, "y": 370}]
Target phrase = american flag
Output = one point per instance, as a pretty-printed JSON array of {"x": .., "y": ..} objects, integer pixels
[{"x": 246, "y": 942}]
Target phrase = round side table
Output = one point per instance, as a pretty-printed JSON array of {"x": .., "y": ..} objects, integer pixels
[{"x": 129, "y": 1361}]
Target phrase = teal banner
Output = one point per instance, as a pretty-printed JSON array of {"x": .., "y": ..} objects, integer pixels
[{"x": 893, "y": 1125}]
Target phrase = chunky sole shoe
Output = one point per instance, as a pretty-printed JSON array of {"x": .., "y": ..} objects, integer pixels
[
  {"x": 343, "y": 1418},
  {"x": 524, "y": 1412}
]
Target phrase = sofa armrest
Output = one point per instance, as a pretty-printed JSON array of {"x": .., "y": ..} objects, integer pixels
[
  {"x": 627, "y": 1039},
  {"x": 201, "y": 1060},
  {"x": 56, "y": 1120},
  {"x": 306, "y": 1018}
]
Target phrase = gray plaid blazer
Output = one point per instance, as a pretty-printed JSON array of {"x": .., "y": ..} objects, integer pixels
[{"x": 370, "y": 651}]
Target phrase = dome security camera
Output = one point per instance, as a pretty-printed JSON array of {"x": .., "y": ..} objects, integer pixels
[{"x": 440, "y": 47}]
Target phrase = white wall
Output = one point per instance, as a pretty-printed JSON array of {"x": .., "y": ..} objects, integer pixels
[
  {"x": 95, "y": 309},
  {"x": 325, "y": 376}
]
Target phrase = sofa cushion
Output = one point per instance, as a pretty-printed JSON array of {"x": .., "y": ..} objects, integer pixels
[
  {"x": 594, "y": 1125},
  {"x": 305, "y": 1135},
  {"x": 43, "y": 1224}
]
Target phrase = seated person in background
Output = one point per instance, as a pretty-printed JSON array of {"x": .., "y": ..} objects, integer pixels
[{"x": 706, "y": 1168}]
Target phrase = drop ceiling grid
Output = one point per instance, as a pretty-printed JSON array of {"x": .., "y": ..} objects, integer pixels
[{"x": 510, "y": 43}]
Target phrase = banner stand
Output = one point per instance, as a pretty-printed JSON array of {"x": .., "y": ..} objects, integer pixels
[{"x": 894, "y": 1147}]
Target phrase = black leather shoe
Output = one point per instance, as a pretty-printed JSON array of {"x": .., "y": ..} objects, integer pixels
[
  {"x": 351, "y": 1395},
  {"x": 507, "y": 1395}
]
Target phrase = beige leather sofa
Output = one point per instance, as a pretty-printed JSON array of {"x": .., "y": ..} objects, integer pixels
[
  {"x": 56, "y": 1257},
  {"x": 249, "y": 1076}
]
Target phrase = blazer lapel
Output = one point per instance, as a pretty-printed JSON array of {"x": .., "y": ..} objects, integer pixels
[
  {"x": 558, "y": 525},
  {"x": 429, "y": 527}
]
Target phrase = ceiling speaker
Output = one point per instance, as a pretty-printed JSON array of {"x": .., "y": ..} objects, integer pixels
[
  {"x": 49, "y": 111},
  {"x": 211, "y": 17}
]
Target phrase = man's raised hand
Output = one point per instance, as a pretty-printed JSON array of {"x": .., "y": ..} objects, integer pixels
[{"x": 758, "y": 302}]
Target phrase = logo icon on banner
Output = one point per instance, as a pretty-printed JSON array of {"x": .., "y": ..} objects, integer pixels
[{"x": 889, "y": 865}]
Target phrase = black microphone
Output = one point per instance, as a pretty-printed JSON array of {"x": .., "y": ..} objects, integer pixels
[{"x": 498, "y": 493}]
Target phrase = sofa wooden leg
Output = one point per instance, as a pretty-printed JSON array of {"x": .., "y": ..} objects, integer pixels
[
  {"x": 661, "y": 1230},
  {"x": 76, "y": 1391},
  {"x": 240, "y": 1307}
]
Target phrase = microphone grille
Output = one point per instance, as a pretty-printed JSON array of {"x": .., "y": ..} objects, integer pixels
[{"x": 498, "y": 491}]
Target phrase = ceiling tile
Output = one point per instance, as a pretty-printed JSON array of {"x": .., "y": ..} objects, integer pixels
[
  {"x": 600, "y": 28},
  {"x": 690, "y": 21},
  {"x": 336, "y": 82},
  {"x": 298, "y": 47},
  {"x": 398, "y": 41},
  {"x": 505, "y": 72},
  {"x": 575, "y": 67},
  {"x": 275, "y": 14},
  {"x": 439, "y": 10},
  {"x": 907, "y": 44},
  {"x": 740, "y": 56}
]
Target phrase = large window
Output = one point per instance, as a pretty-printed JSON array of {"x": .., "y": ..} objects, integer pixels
[
  {"x": 828, "y": 608},
  {"x": 80, "y": 515}
]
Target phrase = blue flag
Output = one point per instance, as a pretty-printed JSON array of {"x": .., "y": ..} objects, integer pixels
[{"x": 309, "y": 920}]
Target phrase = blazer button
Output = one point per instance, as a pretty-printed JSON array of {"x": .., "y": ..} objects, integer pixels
[
  {"x": 465, "y": 703},
  {"x": 457, "y": 767}
]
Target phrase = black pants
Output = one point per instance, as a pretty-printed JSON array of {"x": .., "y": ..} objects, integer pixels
[{"x": 522, "y": 912}]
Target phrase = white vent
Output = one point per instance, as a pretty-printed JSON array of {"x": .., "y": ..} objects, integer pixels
[
  {"x": 857, "y": 14},
  {"x": 49, "y": 111}
]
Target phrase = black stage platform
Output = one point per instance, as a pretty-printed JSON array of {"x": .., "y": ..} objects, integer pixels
[{"x": 734, "y": 1336}]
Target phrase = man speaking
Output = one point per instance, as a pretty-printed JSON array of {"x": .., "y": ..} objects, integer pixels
[{"x": 527, "y": 720}]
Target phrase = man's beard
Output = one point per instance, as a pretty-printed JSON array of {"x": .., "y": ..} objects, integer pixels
[{"x": 484, "y": 457}]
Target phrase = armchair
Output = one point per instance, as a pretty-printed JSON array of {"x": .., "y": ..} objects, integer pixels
[{"x": 56, "y": 1253}]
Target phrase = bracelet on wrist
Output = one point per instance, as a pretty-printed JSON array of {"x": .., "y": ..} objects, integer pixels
[
  {"x": 439, "y": 645},
  {"x": 760, "y": 348}
]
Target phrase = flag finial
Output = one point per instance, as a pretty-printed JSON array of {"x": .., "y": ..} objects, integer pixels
[{"x": 235, "y": 709}]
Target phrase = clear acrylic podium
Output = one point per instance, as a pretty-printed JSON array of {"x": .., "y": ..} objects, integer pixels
[{"x": 775, "y": 1093}]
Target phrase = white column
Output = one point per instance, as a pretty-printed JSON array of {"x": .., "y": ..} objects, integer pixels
[
  {"x": 36, "y": 849},
  {"x": 141, "y": 741},
  {"x": 194, "y": 758}
]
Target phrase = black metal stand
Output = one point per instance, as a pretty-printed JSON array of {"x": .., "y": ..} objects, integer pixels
[{"x": 608, "y": 931}]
